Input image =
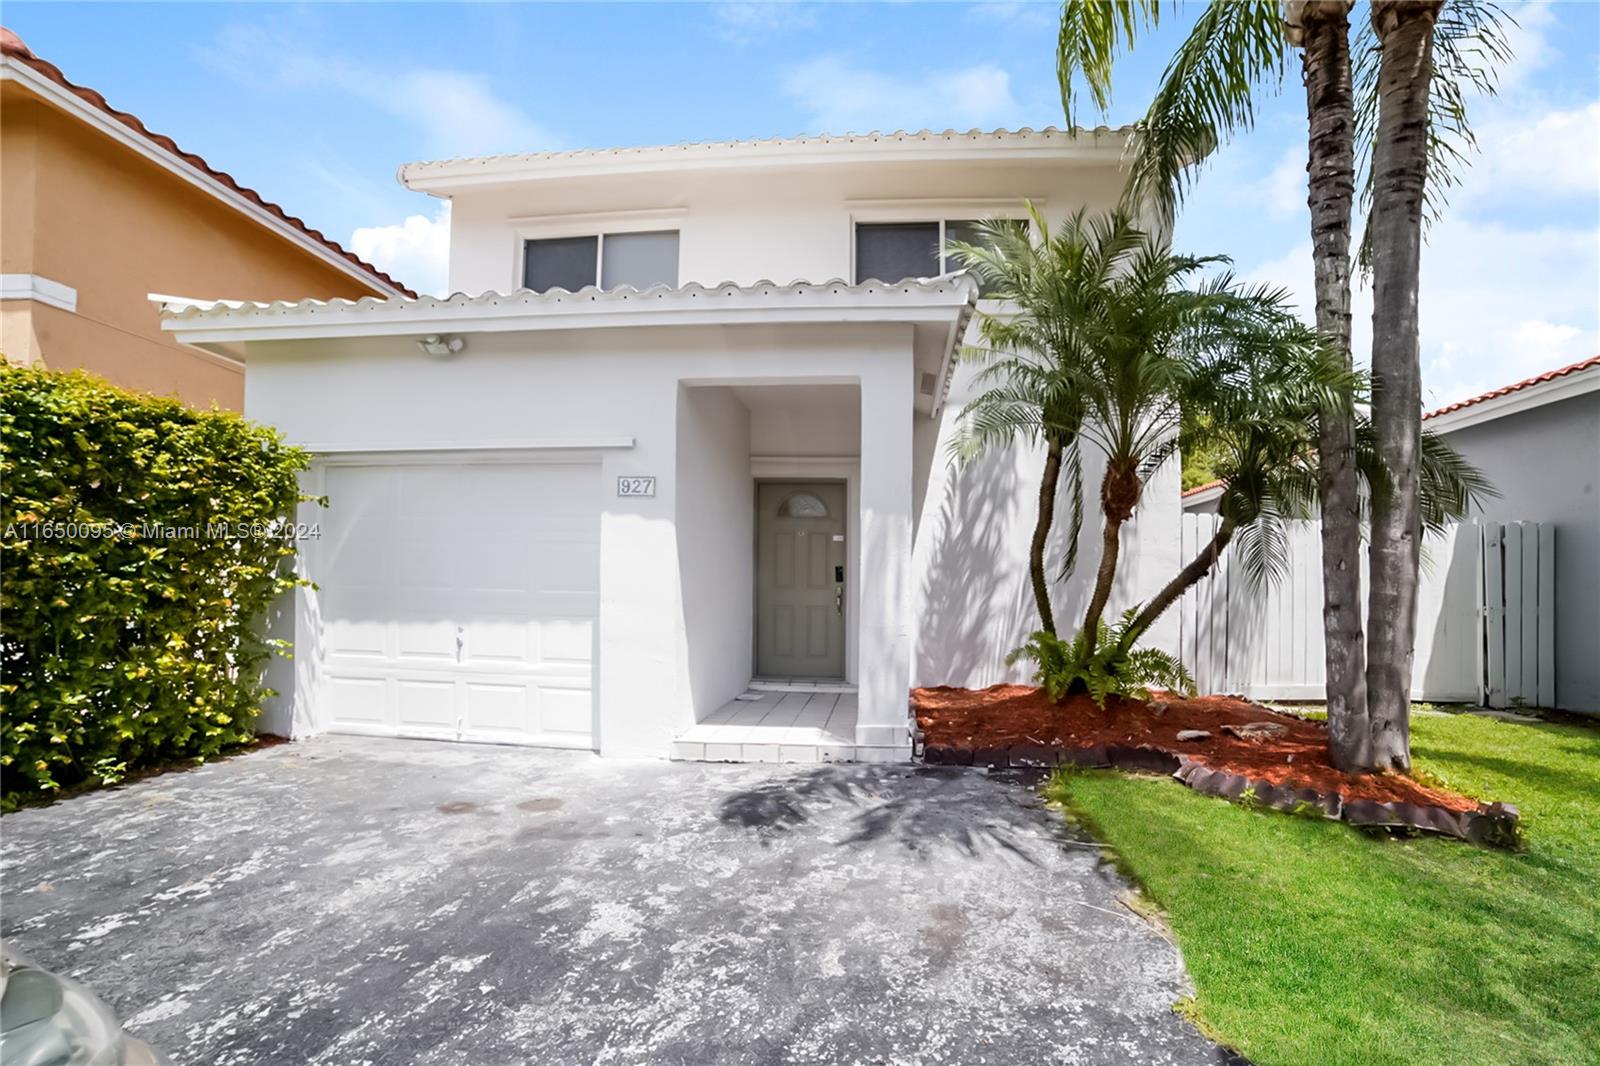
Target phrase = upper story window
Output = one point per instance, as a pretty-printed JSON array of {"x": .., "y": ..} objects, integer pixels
[
  {"x": 895, "y": 251},
  {"x": 609, "y": 260}
]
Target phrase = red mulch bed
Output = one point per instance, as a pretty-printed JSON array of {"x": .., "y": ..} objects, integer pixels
[{"x": 1007, "y": 716}]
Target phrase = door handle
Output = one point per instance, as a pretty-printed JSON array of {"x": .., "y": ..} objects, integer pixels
[
  {"x": 838, "y": 599},
  {"x": 461, "y": 641}
]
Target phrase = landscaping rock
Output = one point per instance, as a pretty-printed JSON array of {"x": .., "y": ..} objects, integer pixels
[
  {"x": 1256, "y": 730},
  {"x": 1194, "y": 734}
]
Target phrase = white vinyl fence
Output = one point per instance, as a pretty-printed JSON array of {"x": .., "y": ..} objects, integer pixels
[{"x": 1485, "y": 618}]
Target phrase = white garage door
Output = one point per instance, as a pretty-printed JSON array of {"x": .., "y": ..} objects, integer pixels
[{"x": 458, "y": 601}]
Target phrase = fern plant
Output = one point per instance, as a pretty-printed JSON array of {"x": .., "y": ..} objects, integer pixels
[{"x": 1108, "y": 666}]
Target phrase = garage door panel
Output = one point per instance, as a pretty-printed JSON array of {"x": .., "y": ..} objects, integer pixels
[
  {"x": 564, "y": 710},
  {"x": 500, "y": 641},
  {"x": 570, "y": 568},
  {"x": 434, "y": 641},
  {"x": 566, "y": 640},
  {"x": 359, "y": 700},
  {"x": 426, "y": 707},
  {"x": 503, "y": 557},
  {"x": 497, "y": 709}
]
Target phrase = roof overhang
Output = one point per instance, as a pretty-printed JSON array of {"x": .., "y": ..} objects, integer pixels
[
  {"x": 62, "y": 98},
  {"x": 1563, "y": 385},
  {"x": 1202, "y": 495},
  {"x": 1008, "y": 147},
  {"x": 938, "y": 309}
]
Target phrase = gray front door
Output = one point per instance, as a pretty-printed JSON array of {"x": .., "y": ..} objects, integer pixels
[{"x": 800, "y": 561}]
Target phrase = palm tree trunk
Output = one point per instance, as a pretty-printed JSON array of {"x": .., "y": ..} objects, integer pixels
[
  {"x": 1120, "y": 489},
  {"x": 1110, "y": 548},
  {"x": 1041, "y": 535},
  {"x": 1400, "y": 165},
  {"x": 1325, "y": 34},
  {"x": 1190, "y": 575}
]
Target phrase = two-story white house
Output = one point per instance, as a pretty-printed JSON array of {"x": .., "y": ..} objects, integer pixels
[{"x": 669, "y": 474}]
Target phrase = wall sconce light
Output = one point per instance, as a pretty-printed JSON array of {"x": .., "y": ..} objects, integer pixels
[{"x": 441, "y": 347}]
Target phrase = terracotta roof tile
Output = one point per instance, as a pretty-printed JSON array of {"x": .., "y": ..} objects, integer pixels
[
  {"x": 1203, "y": 488},
  {"x": 1506, "y": 390},
  {"x": 13, "y": 47}
]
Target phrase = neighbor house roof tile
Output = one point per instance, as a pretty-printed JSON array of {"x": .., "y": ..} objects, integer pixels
[
  {"x": 14, "y": 48},
  {"x": 1506, "y": 390}
]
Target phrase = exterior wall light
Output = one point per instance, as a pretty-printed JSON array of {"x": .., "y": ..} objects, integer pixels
[{"x": 441, "y": 347}]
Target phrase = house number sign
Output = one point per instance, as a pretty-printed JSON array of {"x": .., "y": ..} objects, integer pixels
[{"x": 636, "y": 486}]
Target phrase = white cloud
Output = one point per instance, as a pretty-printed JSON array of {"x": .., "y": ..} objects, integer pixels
[
  {"x": 839, "y": 97},
  {"x": 1552, "y": 154},
  {"x": 1498, "y": 303},
  {"x": 742, "y": 23},
  {"x": 456, "y": 111},
  {"x": 416, "y": 251},
  {"x": 1285, "y": 188},
  {"x": 1017, "y": 14}
]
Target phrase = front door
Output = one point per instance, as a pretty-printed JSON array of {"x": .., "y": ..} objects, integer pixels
[{"x": 800, "y": 561}]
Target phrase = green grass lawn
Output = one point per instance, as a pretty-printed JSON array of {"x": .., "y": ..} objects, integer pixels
[{"x": 1312, "y": 942}]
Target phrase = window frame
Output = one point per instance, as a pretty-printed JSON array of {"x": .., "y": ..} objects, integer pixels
[
  {"x": 942, "y": 212},
  {"x": 594, "y": 224}
]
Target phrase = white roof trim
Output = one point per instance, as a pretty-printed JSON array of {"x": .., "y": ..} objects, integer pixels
[
  {"x": 70, "y": 102},
  {"x": 235, "y": 320},
  {"x": 1050, "y": 143},
  {"x": 1577, "y": 383},
  {"x": 1201, "y": 495},
  {"x": 39, "y": 289},
  {"x": 227, "y": 325}
]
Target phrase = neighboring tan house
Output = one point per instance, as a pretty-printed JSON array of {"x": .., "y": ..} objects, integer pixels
[
  {"x": 97, "y": 212},
  {"x": 624, "y": 492}
]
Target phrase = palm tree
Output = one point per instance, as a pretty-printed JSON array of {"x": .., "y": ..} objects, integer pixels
[
  {"x": 1030, "y": 385},
  {"x": 1400, "y": 159},
  {"x": 1207, "y": 94},
  {"x": 1100, "y": 350},
  {"x": 1258, "y": 408}
]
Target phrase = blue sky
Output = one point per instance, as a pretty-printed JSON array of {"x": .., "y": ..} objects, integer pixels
[{"x": 316, "y": 105}]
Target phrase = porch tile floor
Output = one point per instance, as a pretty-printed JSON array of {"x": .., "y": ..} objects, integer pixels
[{"x": 776, "y": 721}]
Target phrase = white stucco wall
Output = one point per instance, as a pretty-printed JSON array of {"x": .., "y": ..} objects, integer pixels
[
  {"x": 561, "y": 390},
  {"x": 715, "y": 532},
  {"x": 1545, "y": 462},
  {"x": 746, "y": 226},
  {"x": 973, "y": 596}
]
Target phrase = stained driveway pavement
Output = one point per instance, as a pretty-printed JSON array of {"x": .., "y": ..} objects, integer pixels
[{"x": 354, "y": 901}]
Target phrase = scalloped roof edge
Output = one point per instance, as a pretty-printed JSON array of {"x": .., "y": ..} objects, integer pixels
[
  {"x": 181, "y": 308},
  {"x": 798, "y": 143}
]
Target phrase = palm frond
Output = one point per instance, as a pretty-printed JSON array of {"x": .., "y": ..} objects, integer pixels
[
  {"x": 1471, "y": 44},
  {"x": 1207, "y": 94}
]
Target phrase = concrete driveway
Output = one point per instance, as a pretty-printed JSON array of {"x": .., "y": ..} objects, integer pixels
[{"x": 351, "y": 901}]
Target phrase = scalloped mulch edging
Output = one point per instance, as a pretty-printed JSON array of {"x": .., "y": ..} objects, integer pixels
[{"x": 1491, "y": 825}]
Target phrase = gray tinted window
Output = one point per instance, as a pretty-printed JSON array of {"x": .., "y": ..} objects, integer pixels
[
  {"x": 640, "y": 260},
  {"x": 894, "y": 251},
  {"x": 559, "y": 263}
]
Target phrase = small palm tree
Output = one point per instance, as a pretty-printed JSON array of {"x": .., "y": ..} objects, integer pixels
[
  {"x": 1257, "y": 410},
  {"x": 1101, "y": 347},
  {"x": 1029, "y": 383}
]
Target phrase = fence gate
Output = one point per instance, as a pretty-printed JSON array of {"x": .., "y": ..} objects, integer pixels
[
  {"x": 1518, "y": 598},
  {"x": 1485, "y": 617}
]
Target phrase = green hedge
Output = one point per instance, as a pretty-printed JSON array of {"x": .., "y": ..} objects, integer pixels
[{"x": 142, "y": 542}]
